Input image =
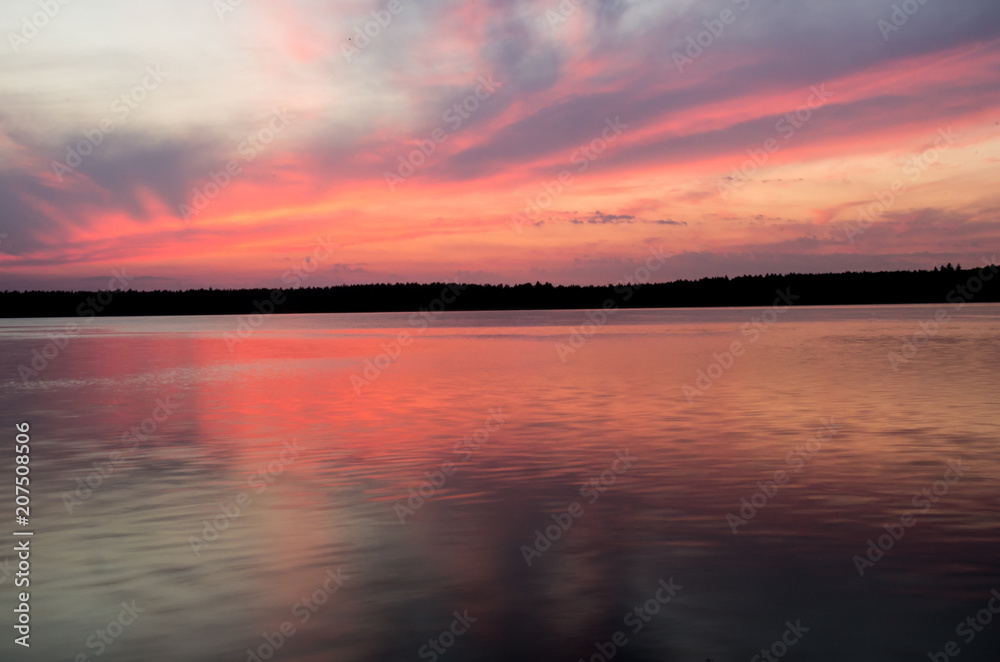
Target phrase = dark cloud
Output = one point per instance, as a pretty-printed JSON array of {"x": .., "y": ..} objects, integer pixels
[
  {"x": 600, "y": 218},
  {"x": 773, "y": 46}
]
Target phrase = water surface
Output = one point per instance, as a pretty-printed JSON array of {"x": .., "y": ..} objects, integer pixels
[{"x": 551, "y": 413}]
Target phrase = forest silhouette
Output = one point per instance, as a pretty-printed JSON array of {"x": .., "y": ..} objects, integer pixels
[{"x": 943, "y": 285}]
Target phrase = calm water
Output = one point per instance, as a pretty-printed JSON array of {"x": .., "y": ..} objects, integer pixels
[{"x": 212, "y": 585}]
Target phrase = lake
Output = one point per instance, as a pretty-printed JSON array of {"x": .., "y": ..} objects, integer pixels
[{"x": 683, "y": 485}]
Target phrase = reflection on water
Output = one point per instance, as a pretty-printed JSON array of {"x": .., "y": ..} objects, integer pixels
[{"x": 251, "y": 499}]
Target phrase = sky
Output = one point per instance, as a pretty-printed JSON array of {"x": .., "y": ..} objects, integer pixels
[{"x": 231, "y": 143}]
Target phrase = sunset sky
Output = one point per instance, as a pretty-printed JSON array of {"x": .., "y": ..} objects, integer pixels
[{"x": 492, "y": 141}]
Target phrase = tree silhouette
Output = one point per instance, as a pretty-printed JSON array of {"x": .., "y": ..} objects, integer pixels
[{"x": 850, "y": 288}]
